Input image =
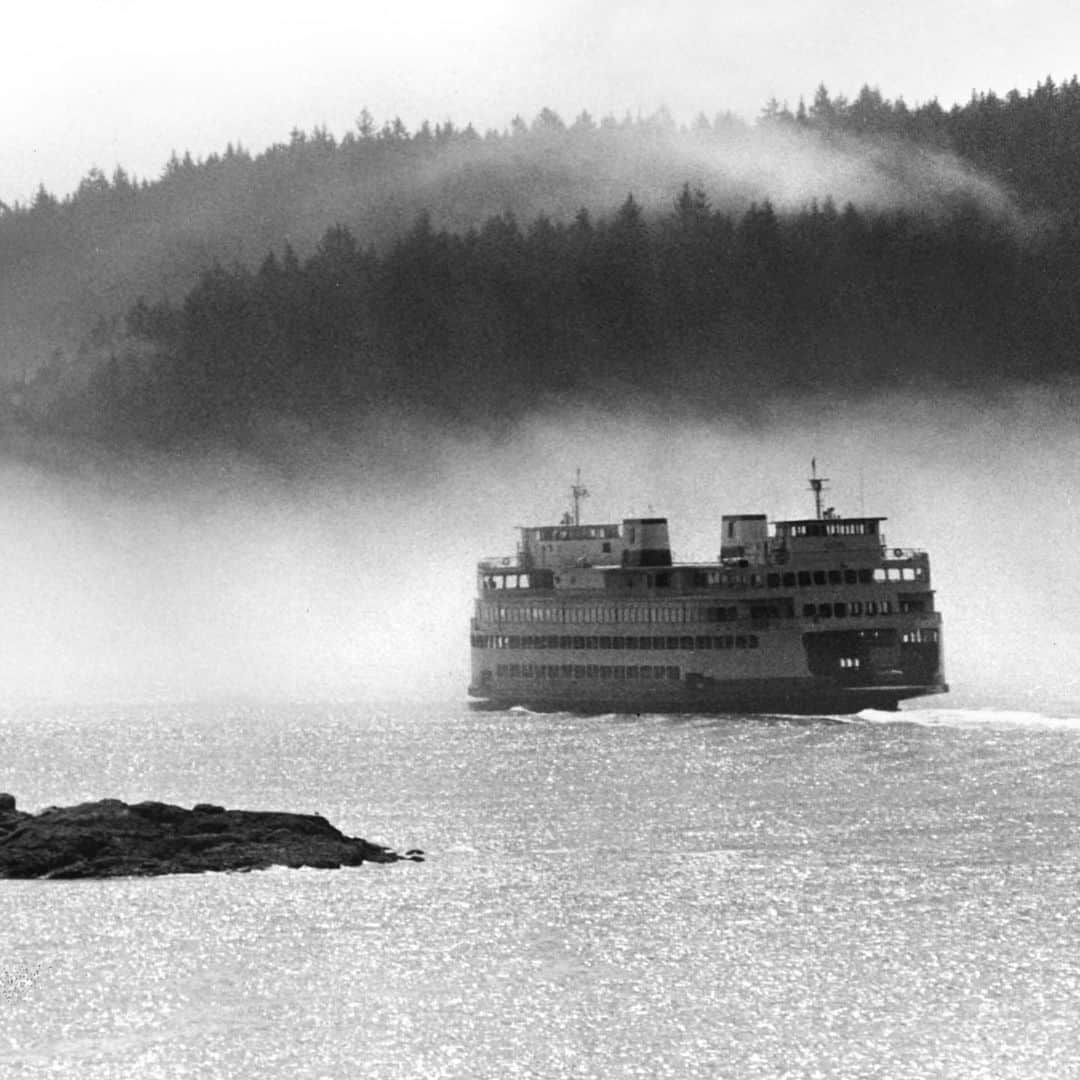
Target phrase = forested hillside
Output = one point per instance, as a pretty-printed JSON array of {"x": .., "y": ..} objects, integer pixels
[
  {"x": 844, "y": 245},
  {"x": 727, "y": 312}
]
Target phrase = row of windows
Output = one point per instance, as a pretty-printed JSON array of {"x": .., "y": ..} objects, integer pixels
[
  {"x": 728, "y": 579},
  {"x": 672, "y": 612},
  {"x": 787, "y": 579},
  {"x": 858, "y": 527},
  {"x": 685, "y": 641},
  {"x": 586, "y": 671},
  {"x": 919, "y": 637},
  {"x": 574, "y": 532},
  {"x": 508, "y": 581},
  {"x": 621, "y": 613},
  {"x": 693, "y": 613},
  {"x": 841, "y": 610},
  {"x": 803, "y": 579}
]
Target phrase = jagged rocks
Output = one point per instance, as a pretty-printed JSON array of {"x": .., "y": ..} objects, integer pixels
[{"x": 109, "y": 838}]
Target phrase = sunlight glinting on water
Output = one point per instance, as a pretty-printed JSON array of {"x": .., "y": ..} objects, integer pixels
[{"x": 603, "y": 897}]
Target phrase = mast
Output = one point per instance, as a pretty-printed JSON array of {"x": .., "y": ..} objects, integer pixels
[
  {"x": 817, "y": 485},
  {"x": 577, "y": 490}
]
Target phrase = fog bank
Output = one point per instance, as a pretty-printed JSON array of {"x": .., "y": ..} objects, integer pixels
[{"x": 351, "y": 575}]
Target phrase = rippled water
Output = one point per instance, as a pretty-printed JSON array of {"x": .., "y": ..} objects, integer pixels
[{"x": 892, "y": 896}]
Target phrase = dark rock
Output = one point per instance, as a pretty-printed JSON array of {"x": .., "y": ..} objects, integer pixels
[
  {"x": 10, "y": 818},
  {"x": 159, "y": 812},
  {"x": 111, "y": 839}
]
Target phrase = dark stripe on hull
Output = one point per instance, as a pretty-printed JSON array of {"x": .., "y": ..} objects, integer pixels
[{"x": 804, "y": 697}]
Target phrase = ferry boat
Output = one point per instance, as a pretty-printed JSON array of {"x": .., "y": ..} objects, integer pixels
[{"x": 815, "y": 615}]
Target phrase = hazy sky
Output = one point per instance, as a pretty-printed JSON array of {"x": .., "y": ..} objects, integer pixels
[{"x": 125, "y": 82}]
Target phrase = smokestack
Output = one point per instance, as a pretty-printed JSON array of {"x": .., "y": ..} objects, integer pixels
[{"x": 646, "y": 542}]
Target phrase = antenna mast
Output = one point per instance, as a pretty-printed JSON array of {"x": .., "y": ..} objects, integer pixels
[
  {"x": 817, "y": 485},
  {"x": 577, "y": 490}
]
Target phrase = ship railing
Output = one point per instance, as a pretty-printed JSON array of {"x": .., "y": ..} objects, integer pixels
[
  {"x": 891, "y": 553},
  {"x": 501, "y": 562}
]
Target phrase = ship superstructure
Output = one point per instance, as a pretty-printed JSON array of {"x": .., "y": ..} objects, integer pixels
[{"x": 807, "y": 615}]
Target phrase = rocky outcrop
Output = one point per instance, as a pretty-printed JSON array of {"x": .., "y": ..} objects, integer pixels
[{"x": 112, "y": 839}]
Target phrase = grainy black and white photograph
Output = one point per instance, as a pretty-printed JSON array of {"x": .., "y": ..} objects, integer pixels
[{"x": 536, "y": 541}]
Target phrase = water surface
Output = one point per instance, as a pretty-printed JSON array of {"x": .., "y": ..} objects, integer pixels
[{"x": 616, "y": 896}]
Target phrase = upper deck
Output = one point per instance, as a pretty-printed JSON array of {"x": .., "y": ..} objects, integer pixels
[{"x": 635, "y": 558}]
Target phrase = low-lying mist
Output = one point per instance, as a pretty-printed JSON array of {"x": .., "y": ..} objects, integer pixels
[
  {"x": 115, "y": 244},
  {"x": 351, "y": 574}
]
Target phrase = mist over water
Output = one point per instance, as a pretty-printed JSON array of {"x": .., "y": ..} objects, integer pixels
[{"x": 351, "y": 573}]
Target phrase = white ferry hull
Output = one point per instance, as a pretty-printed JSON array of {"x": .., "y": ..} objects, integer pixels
[
  {"x": 799, "y": 697},
  {"x": 804, "y": 668}
]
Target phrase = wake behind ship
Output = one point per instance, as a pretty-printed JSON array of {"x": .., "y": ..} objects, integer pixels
[{"x": 814, "y": 615}]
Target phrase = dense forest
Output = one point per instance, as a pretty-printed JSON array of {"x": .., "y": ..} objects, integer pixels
[
  {"x": 729, "y": 312},
  {"x": 479, "y": 277}
]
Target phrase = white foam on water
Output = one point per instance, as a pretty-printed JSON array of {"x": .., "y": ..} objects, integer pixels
[{"x": 974, "y": 718}]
